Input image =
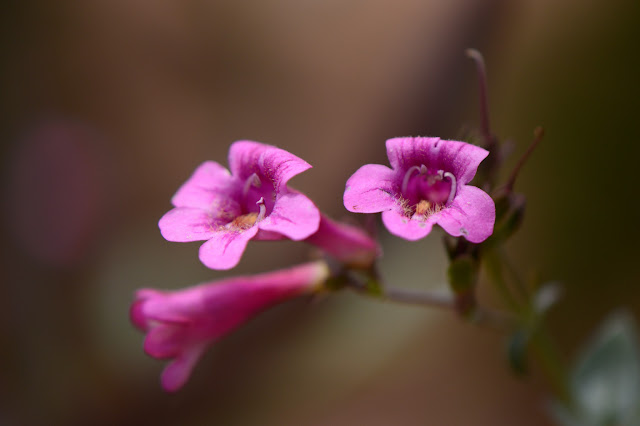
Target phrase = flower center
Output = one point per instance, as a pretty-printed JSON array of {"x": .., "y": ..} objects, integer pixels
[
  {"x": 246, "y": 221},
  {"x": 425, "y": 193}
]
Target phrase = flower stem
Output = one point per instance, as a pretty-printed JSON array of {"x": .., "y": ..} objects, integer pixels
[
  {"x": 423, "y": 298},
  {"x": 552, "y": 365},
  {"x": 538, "y": 134},
  {"x": 410, "y": 297},
  {"x": 430, "y": 299},
  {"x": 489, "y": 139},
  {"x": 494, "y": 269}
]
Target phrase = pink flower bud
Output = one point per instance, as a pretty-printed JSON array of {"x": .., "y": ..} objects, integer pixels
[{"x": 348, "y": 244}]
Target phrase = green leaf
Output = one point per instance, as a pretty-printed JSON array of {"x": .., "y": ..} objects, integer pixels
[{"x": 605, "y": 382}]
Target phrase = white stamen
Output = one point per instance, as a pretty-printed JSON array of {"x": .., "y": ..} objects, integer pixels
[
  {"x": 452, "y": 192},
  {"x": 422, "y": 170},
  {"x": 435, "y": 178},
  {"x": 263, "y": 209},
  {"x": 252, "y": 180}
]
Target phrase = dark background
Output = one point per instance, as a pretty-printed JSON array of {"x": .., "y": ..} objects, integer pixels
[{"x": 108, "y": 106}]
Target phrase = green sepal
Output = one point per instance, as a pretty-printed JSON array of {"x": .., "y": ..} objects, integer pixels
[
  {"x": 335, "y": 283},
  {"x": 462, "y": 274},
  {"x": 374, "y": 288}
]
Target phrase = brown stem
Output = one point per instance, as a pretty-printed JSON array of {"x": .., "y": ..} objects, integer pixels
[
  {"x": 538, "y": 134},
  {"x": 489, "y": 139}
]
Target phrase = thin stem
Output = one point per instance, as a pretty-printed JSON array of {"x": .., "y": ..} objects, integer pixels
[
  {"x": 494, "y": 269},
  {"x": 477, "y": 57},
  {"x": 519, "y": 284},
  {"x": 412, "y": 297},
  {"x": 552, "y": 364},
  {"x": 538, "y": 134},
  {"x": 447, "y": 301}
]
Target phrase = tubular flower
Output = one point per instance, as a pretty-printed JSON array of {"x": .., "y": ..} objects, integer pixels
[
  {"x": 182, "y": 324},
  {"x": 426, "y": 185},
  {"x": 252, "y": 202},
  {"x": 345, "y": 243}
]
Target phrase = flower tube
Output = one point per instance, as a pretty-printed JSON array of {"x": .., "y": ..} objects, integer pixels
[{"x": 180, "y": 325}]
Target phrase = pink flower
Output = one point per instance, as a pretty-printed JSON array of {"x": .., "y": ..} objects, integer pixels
[
  {"x": 182, "y": 324},
  {"x": 251, "y": 202},
  {"x": 348, "y": 244},
  {"x": 427, "y": 185}
]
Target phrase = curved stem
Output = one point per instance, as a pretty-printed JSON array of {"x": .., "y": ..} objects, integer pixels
[
  {"x": 538, "y": 134},
  {"x": 477, "y": 57},
  {"x": 494, "y": 270},
  {"x": 552, "y": 365}
]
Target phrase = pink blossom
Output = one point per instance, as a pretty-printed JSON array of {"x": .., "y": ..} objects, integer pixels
[
  {"x": 426, "y": 185},
  {"x": 346, "y": 243},
  {"x": 182, "y": 324},
  {"x": 252, "y": 202}
]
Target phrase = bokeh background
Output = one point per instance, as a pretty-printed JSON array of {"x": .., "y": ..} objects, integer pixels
[{"x": 108, "y": 106}]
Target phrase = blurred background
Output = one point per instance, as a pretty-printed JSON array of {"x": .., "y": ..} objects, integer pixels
[{"x": 108, "y": 106}]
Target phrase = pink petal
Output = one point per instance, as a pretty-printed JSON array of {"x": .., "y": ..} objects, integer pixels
[
  {"x": 346, "y": 243},
  {"x": 185, "y": 224},
  {"x": 137, "y": 316},
  {"x": 224, "y": 249},
  {"x": 176, "y": 374},
  {"x": 165, "y": 340},
  {"x": 404, "y": 227},
  {"x": 293, "y": 215},
  {"x": 371, "y": 189},
  {"x": 174, "y": 308},
  {"x": 460, "y": 158},
  {"x": 209, "y": 186},
  {"x": 471, "y": 214},
  {"x": 277, "y": 165}
]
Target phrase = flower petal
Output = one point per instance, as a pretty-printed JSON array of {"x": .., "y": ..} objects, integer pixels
[
  {"x": 460, "y": 158},
  {"x": 346, "y": 243},
  {"x": 371, "y": 189},
  {"x": 176, "y": 374},
  {"x": 210, "y": 185},
  {"x": 224, "y": 249},
  {"x": 472, "y": 214},
  {"x": 185, "y": 224},
  {"x": 403, "y": 227},
  {"x": 137, "y": 316},
  {"x": 165, "y": 340},
  {"x": 293, "y": 215},
  {"x": 275, "y": 164}
]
